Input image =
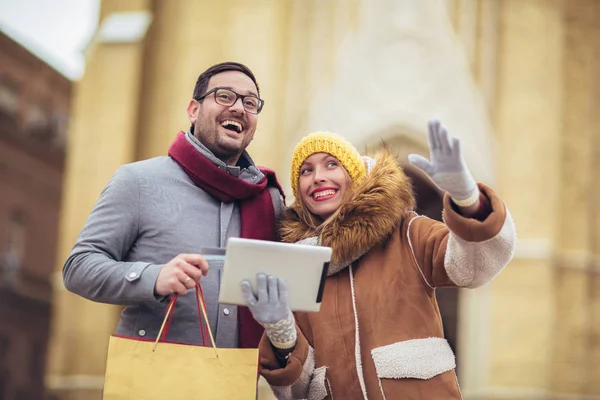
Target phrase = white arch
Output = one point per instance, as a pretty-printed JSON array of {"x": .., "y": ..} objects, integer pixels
[{"x": 402, "y": 67}]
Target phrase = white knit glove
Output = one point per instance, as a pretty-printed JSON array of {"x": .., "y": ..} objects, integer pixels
[
  {"x": 270, "y": 309},
  {"x": 447, "y": 167}
]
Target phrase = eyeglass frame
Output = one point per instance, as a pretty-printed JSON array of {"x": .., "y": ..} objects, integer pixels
[{"x": 261, "y": 103}]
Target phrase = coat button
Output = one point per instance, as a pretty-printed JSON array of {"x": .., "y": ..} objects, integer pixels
[
  {"x": 142, "y": 332},
  {"x": 226, "y": 311},
  {"x": 132, "y": 275}
]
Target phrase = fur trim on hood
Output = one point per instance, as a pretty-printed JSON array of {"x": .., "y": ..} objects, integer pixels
[{"x": 374, "y": 209}]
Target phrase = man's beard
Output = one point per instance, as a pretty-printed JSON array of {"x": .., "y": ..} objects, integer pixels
[{"x": 216, "y": 142}]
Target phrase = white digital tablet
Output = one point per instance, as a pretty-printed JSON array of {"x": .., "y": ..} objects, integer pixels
[{"x": 303, "y": 267}]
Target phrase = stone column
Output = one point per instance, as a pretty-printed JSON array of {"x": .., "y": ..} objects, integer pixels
[
  {"x": 187, "y": 37},
  {"x": 528, "y": 126},
  {"x": 576, "y": 363},
  {"x": 101, "y": 137},
  {"x": 592, "y": 386}
]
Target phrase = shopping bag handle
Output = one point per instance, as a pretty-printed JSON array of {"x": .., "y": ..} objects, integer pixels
[
  {"x": 202, "y": 306},
  {"x": 201, "y": 309}
]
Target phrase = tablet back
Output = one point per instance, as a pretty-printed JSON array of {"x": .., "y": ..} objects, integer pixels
[{"x": 303, "y": 267}]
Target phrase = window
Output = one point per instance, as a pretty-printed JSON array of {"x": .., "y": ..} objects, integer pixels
[
  {"x": 38, "y": 122},
  {"x": 4, "y": 366},
  {"x": 9, "y": 98},
  {"x": 60, "y": 122},
  {"x": 36, "y": 116},
  {"x": 12, "y": 257}
]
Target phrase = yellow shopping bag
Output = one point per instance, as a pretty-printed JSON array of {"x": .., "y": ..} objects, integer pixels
[{"x": 146, "y": 370}]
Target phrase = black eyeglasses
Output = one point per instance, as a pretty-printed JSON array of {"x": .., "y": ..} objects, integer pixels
[{"x": 226, "y": 97}]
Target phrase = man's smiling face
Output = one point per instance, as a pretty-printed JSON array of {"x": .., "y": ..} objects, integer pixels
[{"x": 225, "y": 131}]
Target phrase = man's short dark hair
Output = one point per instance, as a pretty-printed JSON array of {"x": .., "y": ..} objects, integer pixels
[{"x": 202, "y": 82}]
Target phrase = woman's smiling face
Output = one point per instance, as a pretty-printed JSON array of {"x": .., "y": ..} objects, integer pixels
[{"x": 323, "y": 184}]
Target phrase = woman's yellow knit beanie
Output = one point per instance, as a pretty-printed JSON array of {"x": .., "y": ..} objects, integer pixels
[{"x": 330, "y": 143}]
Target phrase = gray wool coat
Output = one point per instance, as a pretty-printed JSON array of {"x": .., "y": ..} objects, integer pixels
[{"x": 147, "y": 214}]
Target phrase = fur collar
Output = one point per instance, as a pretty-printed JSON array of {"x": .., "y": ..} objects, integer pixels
[{"x": 374, "y": 209}]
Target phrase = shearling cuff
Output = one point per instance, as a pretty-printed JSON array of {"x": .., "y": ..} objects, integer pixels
[
  {"x": 274, "y": 373},
  {"x": 470, "y": 229}
]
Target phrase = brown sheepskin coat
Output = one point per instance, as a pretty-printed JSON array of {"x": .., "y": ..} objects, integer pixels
[{"x": 379, "y": 333}]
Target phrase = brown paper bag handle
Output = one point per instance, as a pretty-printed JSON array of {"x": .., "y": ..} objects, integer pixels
[{"x": 201, "y": 308}]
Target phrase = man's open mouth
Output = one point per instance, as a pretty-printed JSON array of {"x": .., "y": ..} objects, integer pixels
[{"x": 232, "y": 125}]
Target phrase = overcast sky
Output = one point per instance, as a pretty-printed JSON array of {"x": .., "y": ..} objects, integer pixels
[{"x": 57, "y": 31}]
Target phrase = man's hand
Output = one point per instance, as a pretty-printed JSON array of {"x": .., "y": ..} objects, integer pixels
[
  {"x": 270, "y": 309},
  {"x": 447, "y": 167},
  {"x": 180, "y": 274}
]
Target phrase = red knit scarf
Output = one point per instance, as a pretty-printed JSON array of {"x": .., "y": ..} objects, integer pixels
[{"x": 256, "y": 210}]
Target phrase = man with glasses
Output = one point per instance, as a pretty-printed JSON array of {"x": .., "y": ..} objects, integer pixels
[{"x": 141, "y": 242}]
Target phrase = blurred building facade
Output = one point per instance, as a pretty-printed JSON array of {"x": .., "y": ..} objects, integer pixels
[
  {"x": 34, "y": 105},
  {"x": 516, "y": 80}
]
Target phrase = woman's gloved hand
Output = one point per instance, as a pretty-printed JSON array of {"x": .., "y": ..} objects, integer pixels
[
  {"x": 270, "y": 309},
  {"x": 447, "y": 167}
]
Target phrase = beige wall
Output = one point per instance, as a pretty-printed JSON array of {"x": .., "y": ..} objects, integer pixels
[
  {"x": 543, "y": 307},
  {"x": 528, "y": 129},
  {"x": 576, "y": 350}
]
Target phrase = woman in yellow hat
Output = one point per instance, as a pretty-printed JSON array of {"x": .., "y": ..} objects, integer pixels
[{"x": 379, "y": 333}]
